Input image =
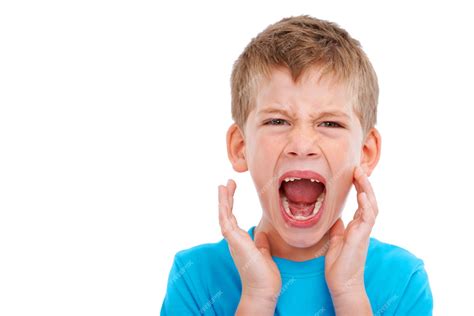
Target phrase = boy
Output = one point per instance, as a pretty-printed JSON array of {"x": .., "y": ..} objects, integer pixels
[{"x": 304, "y": 100}]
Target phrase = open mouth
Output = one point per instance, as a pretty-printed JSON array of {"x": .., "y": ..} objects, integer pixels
[{"x": 302, "y": 196}]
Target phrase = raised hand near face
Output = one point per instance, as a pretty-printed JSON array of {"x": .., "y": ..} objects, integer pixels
[{"x": 260, "y": 277}]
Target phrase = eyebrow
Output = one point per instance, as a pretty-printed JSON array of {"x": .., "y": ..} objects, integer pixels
[{"x": 334, "y": 113}]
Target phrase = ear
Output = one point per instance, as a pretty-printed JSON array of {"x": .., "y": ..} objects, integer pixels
[
  {"x": 371, "y": 151},
  {"x": 236, "y": 148}
]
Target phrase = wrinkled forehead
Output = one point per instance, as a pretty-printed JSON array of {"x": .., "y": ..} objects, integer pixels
[{"x": 314, "y": 86}]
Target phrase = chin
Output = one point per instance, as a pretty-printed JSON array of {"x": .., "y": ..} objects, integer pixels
[
  {"x": 301, "y": 243},
  {"x": 301, "y": 239}
]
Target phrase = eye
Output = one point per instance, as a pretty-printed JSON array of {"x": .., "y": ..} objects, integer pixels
[
  {"x": 275, "y": 122},
  {"x": 330, "y": 124}
]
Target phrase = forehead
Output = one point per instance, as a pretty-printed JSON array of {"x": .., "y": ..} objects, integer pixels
[{"x": 310, "y": 92}]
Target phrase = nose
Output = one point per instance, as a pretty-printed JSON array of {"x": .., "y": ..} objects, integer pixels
[{"x": 303, "y": 142}]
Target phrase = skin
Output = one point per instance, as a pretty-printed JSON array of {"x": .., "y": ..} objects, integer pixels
[{"x": 299, "y": 136}]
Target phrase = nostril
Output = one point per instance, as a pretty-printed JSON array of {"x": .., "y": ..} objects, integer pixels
[{"x": 310, "y": 154}]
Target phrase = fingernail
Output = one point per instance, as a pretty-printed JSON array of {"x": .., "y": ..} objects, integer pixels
[{"x": 365, "y": 198}]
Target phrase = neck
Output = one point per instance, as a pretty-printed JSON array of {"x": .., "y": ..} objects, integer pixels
[{"x": 279, "y": 247}]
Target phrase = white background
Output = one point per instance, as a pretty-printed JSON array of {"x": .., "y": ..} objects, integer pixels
[{"x": 112, "y": 142}]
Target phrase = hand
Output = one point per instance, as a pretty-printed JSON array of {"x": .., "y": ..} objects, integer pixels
[
  {"x": 258, "y": 272},
  {"x": 346, "y": 256}
]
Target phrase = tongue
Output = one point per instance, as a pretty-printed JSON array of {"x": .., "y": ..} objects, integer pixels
[
  {"x": 301, "y": 209},
  {"x": 301, "y": 195},
  {"x": 302, "y": 191}
]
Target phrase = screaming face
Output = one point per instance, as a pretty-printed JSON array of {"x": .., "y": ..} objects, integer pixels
[{"x": 301, "y": 143}]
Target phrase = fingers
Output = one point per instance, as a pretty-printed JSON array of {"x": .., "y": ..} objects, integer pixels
[
  {"x": 362, "y": 184},
  {"x": 358, "y": 230},
  {"x": 240, "y": 243},
  {"x": 357, "y": 213},
  {"x": 227, "y": 221},
  {"x": 366, "y": 213},
  {"x": 336, "y": 241},
  {"x": 231, "y": 186},
  {"x": 364, "y": 218}
]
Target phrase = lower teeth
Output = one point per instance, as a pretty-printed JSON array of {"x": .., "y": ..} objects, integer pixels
[{"x": 317, "y": 206}]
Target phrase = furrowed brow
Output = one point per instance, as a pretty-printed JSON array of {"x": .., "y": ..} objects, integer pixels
[
  {"x": 338, "y": 114},
  {"x": 322, "y": 114},
  {"x": 274, "y": 111}
]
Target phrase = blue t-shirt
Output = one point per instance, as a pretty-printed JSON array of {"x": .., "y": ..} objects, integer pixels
[{"x": 204, "y": 281}]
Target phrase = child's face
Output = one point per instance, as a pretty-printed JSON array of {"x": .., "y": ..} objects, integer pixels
[{"x": 303, "y": 138}]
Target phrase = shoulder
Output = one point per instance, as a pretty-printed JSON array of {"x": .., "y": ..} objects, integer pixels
[
  {"x": 385, "y": 255},
  {"x": 209, "y": 255},
  {"x": 198, "y": 278},
  {"x": 403, "y": 277},
  {"x": 204, "y": 258},
  {"x": 203, "y": 252},
  {"x": 194, "y": 279}
]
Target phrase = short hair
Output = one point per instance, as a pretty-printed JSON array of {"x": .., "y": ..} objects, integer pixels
[{"x": 301, "y": 43}]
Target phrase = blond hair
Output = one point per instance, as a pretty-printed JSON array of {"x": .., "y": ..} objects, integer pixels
[{"x": 301, "y": 43}]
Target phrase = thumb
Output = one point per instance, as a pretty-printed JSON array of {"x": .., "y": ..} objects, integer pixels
[
  {"x": 262, "y": 244},
  {"x": 336, "y": 233},
  {"x": 337, "y": 230}
]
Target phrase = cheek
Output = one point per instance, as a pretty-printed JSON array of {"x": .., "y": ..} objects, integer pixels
[
  {"x": 262, "y": 157},
  {"x": 338, "y": 188},
  {"x": 258, "y": 151},
  {"x": 342, "y": 158},
  {"x": 341, "y": 154}
]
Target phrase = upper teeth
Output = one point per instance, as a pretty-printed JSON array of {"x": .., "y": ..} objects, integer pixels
[{"x": 293, "y": 179}]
